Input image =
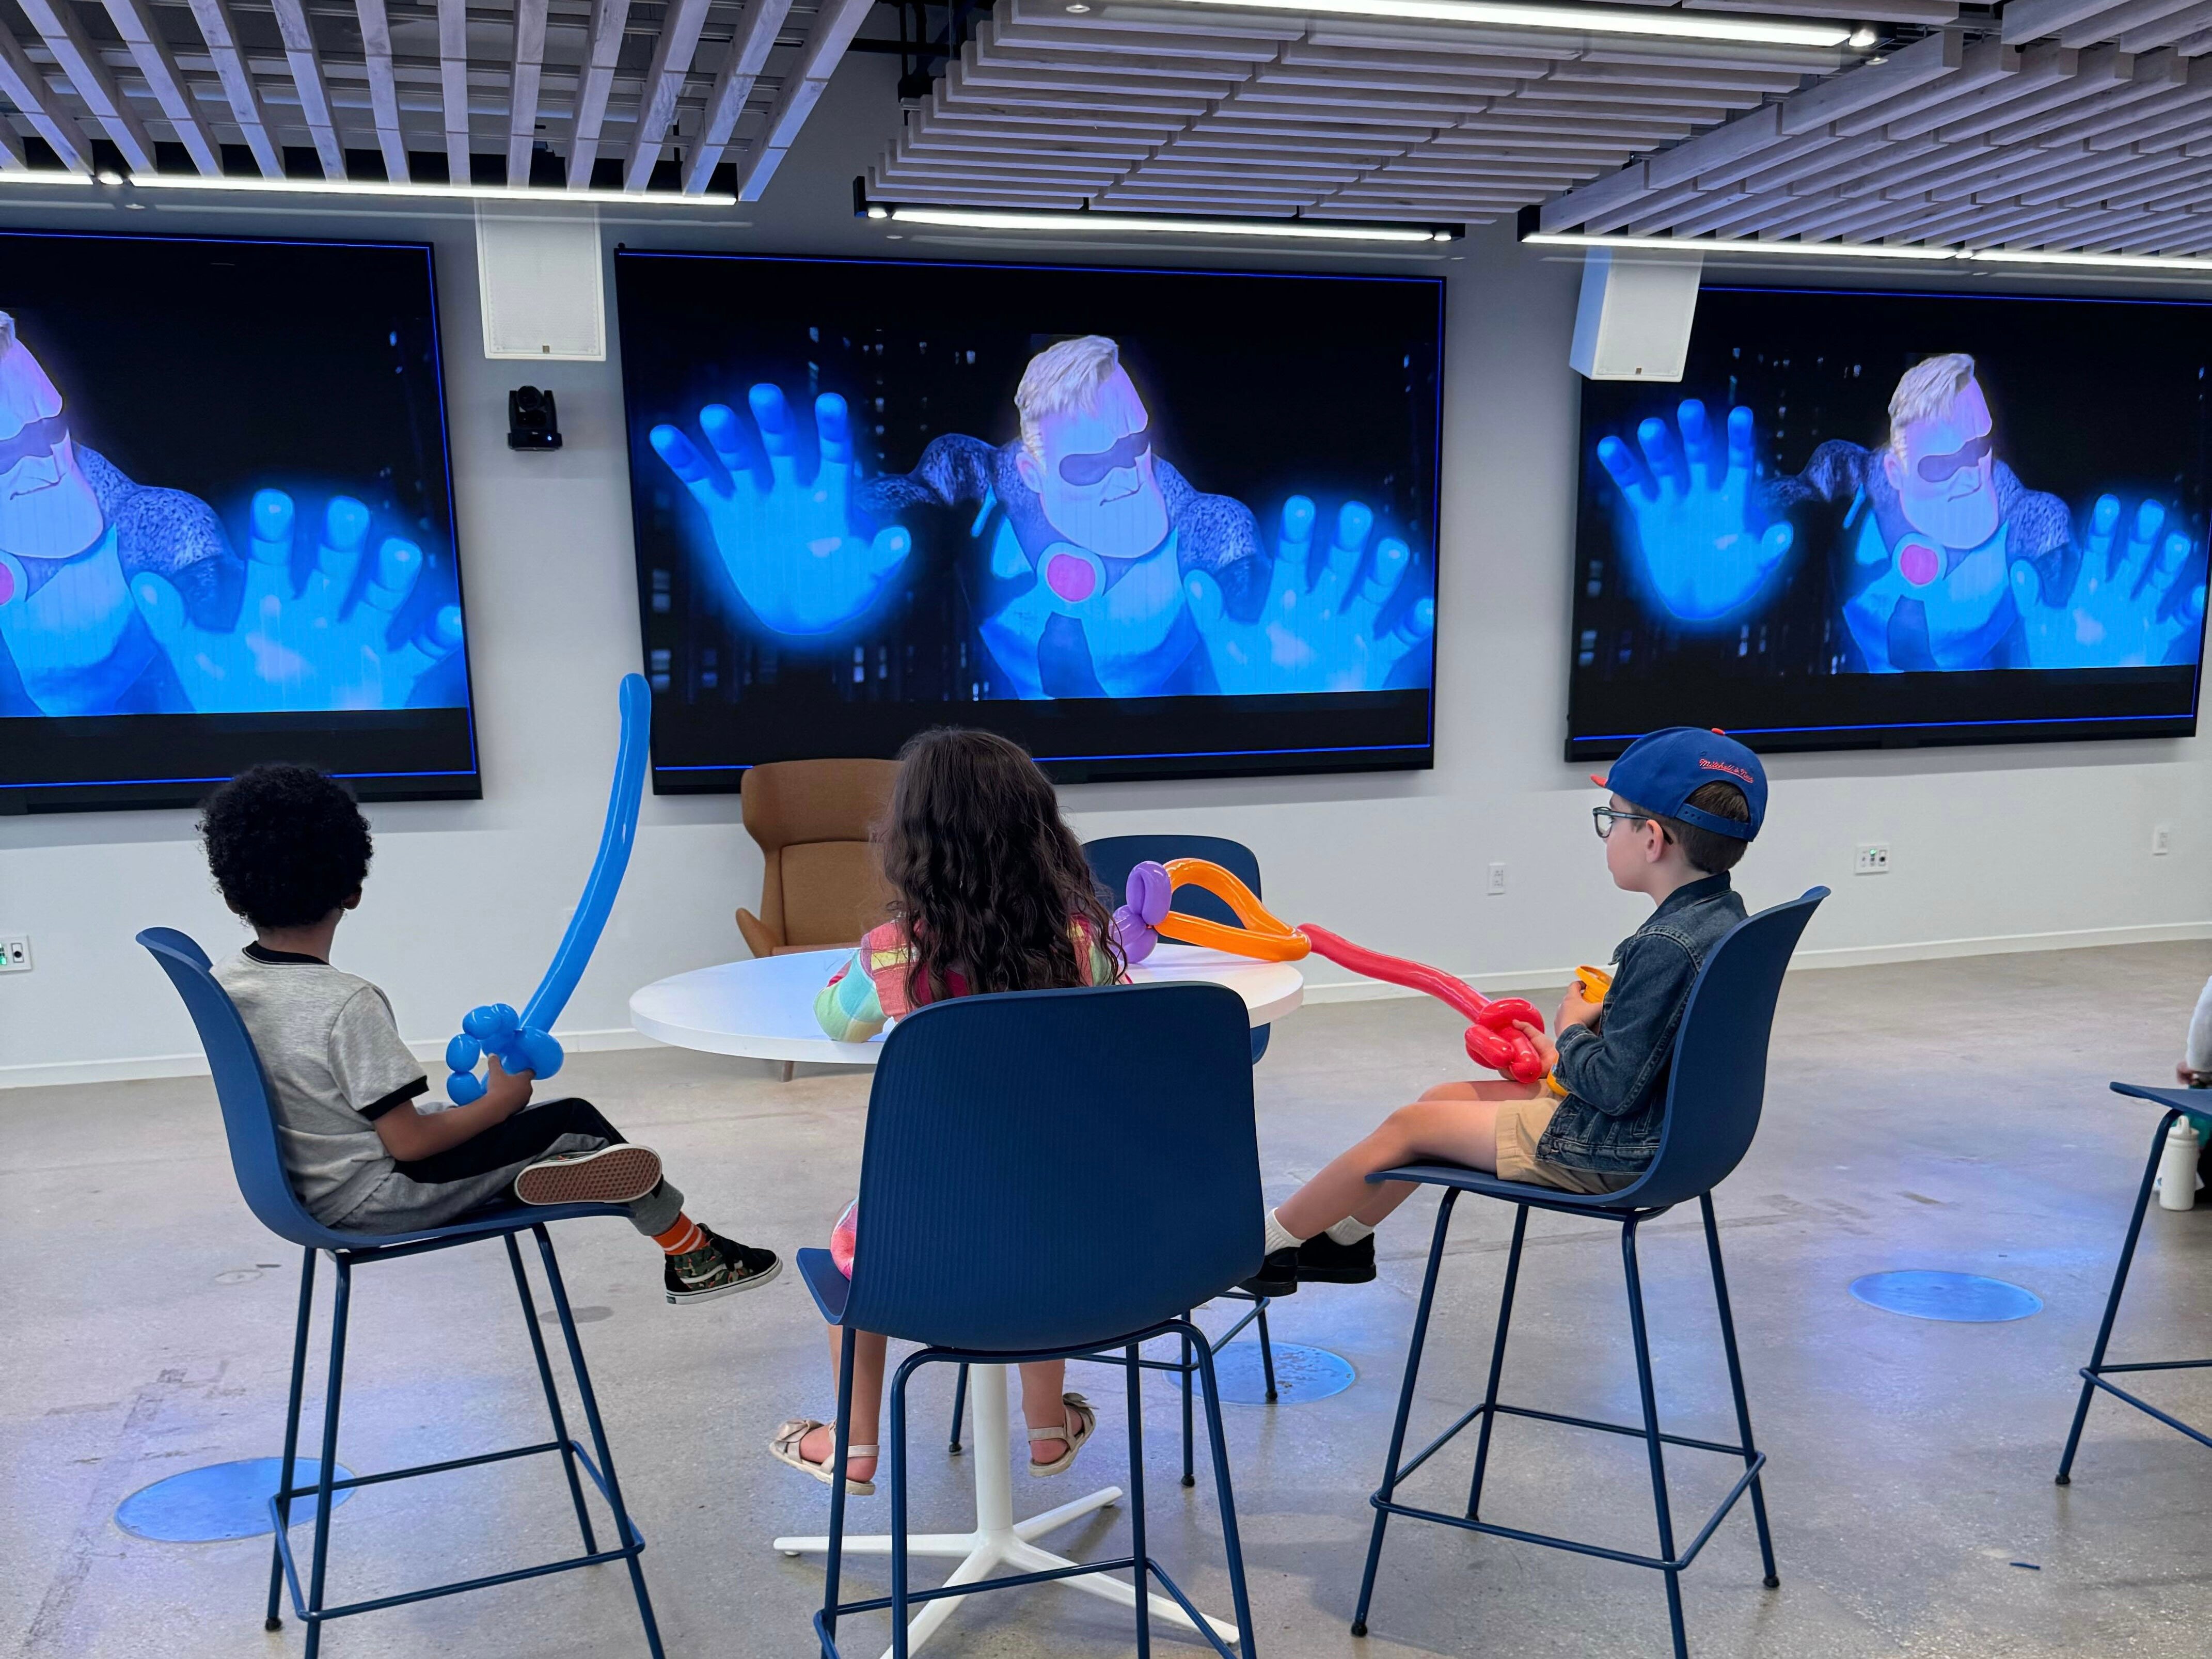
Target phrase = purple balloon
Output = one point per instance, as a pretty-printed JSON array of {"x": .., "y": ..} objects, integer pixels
[
  {"x": 1150, "y": 892},
  {"x": 1137, "y": 939}
]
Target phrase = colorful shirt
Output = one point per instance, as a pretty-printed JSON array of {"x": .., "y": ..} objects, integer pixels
[
  {"x": 856, "y": 1004},
  {"x": 870, "y": 990}
]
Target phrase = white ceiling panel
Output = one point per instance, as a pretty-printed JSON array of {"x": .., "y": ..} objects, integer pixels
[
  {"x": 667, "y": 90},
  {"x": 1415, "y": 120}
]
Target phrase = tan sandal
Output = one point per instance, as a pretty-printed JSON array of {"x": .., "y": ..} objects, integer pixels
[
  {"x": 1086, "y": 1421},
  {"x": 784, "y": 1448}
]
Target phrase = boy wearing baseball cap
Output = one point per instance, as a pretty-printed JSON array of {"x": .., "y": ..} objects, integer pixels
[{"x": 1685, "y": 805}]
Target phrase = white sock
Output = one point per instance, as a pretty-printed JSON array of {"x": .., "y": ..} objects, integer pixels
[
  {"x": 1350, "y": 1230},
  {"x": 1280, "y": 1238}
]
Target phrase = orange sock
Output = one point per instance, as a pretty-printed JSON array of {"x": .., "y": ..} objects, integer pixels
[{"x": 683, "y": 1237}]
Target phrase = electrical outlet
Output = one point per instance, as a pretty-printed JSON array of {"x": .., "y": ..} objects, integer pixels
[
  {"x": 1497, "y": 879},
  {"x": 1873, "y": 859},
  {"x": 14, "y": 953},
  {"x": 2162, "y": 839}
]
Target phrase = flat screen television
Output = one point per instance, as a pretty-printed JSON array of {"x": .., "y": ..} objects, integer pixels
[
  {"x": 226, "y": 520},
  {"x": 1895, "y": 519},
  {"x": 1146, "y": 523}
]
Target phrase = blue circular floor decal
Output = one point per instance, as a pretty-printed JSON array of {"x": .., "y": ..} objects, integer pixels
[
  {"x": 1301, "y": 1374},
  {"x": 221, "y": 1501},
  {"x": 1962, "y": 1299}
]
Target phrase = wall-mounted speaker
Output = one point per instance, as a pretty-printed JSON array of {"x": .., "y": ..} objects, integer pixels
[
  {"x": 538, "y": 270},
  {"x": 1634, "y": 320}
]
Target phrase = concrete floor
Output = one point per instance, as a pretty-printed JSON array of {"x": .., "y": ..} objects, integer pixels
[{"x": 1948, "y": 1115}]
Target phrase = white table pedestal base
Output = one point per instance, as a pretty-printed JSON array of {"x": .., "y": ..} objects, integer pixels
[{"x": 999, "y": 1540}]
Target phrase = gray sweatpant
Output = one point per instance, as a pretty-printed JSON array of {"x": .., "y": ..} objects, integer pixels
[{"x": 431, "y": 1192}]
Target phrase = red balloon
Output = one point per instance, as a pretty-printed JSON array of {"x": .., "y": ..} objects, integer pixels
[{"x": 1493, "y": 1038}]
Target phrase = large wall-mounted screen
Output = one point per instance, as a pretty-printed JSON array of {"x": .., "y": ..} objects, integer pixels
[
  {"x": 226, "y": 520},
  {"x": 1891, "y": 519},
  {"x": 1146, "y": 523}
]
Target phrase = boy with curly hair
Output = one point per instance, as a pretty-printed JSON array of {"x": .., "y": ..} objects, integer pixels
[{"x": 289, "y": 851}]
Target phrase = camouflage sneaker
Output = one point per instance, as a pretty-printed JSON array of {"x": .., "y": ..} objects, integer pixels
[{"x": 721, "y": 1267}]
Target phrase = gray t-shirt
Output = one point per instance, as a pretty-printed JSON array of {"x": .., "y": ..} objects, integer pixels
[{"x": 336, "y": 1064}]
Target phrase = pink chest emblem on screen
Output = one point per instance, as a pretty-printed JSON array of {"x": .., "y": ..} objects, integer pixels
[
  {"x": 1917, "y": 562},
  {"x": 1070, "y": 577}
]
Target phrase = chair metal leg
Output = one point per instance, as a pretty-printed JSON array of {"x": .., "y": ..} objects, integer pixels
[
  {"x": 1496, "y": 1362},
  {"x": 836, "y": 1560},
  {"x": 624, "y": 1529},
  {"x": 1772, "y": 1580},
  {"x": 1651, "y": 1440},
  {"x": 1232, "y": 1543},
  {"x": 1267, "y": 1351},
  {"x": 333, "y": 1392},
  {"x": 1143, "y": 1574},
  {"x": 2113, "y": 1301},
  {"x": 900, "y": 1638},
  {"x": 271, "y": 1620},
  {"x": 1188, "y": 1478},
  {"x": 1405, "y": 1409},
  {"x": 959, "y": 1406},
  {"x": 552, "y": 1395}
]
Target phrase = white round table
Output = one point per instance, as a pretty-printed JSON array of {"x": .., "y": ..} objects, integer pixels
[{"x": 764, "y": 1009}]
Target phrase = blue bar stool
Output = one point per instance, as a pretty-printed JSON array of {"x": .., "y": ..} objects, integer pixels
[
  {"x": 966, "y": 1249},
  {"x": 1112, "y": 858},
  {"x": 1713, "y": 1100},
  {"x": 2176, "y": 1102},
  {"x": 249, "y": 1122}
]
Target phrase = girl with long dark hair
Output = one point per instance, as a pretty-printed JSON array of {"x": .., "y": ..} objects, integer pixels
[{"x": 991, "y": 892}]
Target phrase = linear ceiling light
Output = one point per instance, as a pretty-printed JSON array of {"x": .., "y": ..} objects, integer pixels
[
  {"x": 1579, "y": 20},
  {"x": 1089, "y": 223},
  {"x": 2005, "y": 256},
  {"x": 1737, "y": 244},
  {"x": 360, "y": 187},
  {"x": 2179, "y": 264}
]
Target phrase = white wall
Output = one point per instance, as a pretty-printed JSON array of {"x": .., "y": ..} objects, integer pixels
[{"x": 1994, "y": 848}]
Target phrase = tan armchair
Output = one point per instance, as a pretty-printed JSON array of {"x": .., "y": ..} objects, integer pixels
[{"x": 821, "y": 888}]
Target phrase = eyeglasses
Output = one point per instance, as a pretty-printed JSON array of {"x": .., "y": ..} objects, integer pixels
[
  {"x": 1605, "y": 817},
  {"x": 1083, "y": 470},
  {"x": 1936, "y": 468},
  {"x": 34, "y": 441}
]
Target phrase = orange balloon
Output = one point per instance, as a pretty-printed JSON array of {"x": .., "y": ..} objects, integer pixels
[{"x": 1262, "y": 936}]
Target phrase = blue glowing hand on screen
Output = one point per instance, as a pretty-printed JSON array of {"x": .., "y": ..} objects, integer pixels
[
  {"x": 788, "y": 544},
  {"x": 2118, "y": 615},
  {"x": 1321, "y": 637},
  {"x": 311, "y": 650},
  {"x": 1691, "y": 501}
]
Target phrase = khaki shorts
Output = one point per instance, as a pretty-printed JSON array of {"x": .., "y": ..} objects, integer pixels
[{"x": 1521, "y": 1124}]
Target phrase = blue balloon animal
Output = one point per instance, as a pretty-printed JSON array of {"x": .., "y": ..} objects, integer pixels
[{"x": 523, "y": 1041}]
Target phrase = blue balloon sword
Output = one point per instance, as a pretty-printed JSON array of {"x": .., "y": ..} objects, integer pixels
[{"x": 523, "y": 1041}]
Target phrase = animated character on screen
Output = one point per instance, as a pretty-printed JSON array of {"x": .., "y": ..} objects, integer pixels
[
  {"x": 112, "y": 594},
  {"x": 1107, "y": 572},
  {"x": 1951, "y": 562}
]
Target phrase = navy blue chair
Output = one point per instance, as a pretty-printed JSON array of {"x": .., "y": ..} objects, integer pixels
[
  {"x": 1112, "y": 858},
  {"x": 249, "y": 1121},
  {"x": 965, "y": 1249},
  {"x": 1713, "y": 1099},
  {"x": 2176, "y": 1102}
]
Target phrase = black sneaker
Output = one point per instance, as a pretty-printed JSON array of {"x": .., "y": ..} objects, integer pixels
[
  {"x": 1277, "y": 1275},
  {"x": 722, "y": 1267},
  {"x": 1322, "y": 1261}
]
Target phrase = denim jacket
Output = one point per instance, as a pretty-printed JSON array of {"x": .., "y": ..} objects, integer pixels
[{"x": 1615, "y": 1071}]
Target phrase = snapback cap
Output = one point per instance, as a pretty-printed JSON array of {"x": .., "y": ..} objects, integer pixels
[{"x": 1661, "y": 770}]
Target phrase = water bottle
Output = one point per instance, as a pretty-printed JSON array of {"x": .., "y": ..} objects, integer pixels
[{"x": 2177, "y": 1167}]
